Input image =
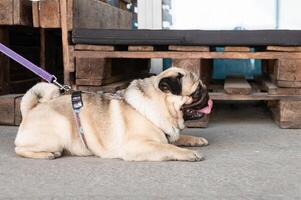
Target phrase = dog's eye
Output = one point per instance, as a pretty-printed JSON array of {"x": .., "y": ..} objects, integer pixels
[{"x": 198, "y": 92}]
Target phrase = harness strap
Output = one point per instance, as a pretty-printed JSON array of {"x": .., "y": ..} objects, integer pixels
[{"x": 77, "y": 104}]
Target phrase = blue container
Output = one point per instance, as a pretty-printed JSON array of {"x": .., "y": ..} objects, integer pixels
[{"x": 242, "y": 67}]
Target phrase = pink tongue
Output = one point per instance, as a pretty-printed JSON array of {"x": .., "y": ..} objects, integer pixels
[{"x": 207, "y": 109}]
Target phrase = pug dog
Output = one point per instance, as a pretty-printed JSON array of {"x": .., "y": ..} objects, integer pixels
[{"x": 143, "y": 125}]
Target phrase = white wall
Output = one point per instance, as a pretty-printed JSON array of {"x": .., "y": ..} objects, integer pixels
[
  {"x": 228, "y": 14},
  {"x": 290, "y": 14},
  {"x": 150, "y": 17}
]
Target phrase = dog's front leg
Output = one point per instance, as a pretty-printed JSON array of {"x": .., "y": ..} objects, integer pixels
[
  {"x": 191, "y": 141},
  {"x": 154, "y": 151}
]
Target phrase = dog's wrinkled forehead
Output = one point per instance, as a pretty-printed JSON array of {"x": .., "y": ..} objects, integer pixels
[{"x": 178, "y": 81}]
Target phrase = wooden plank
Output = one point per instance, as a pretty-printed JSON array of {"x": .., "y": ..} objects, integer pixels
[
  {"x": 22, "y": 12},
  {"x": 272, "y": 89},
  {"x": 96, "y": 14},
  {"x": 6, "y": 12},
  {"x": 89, "y": 82},
  {"x": 203, "y": 68},
  {"x": 269, "y": 86},
  {"x": 256, "y": 96},
  {"x": 287, "y": 113},
  {"x": 92, "y": 69},
  {"x": 193, "y": 65},
  {"x": 7, "y": 109},
  {"x": 294, "y": 84},
  {"x": 94, "y": 47},
  {"x": 49, "y": 14},
  {"x": 140, "y": 48},
  {"x": 201, "y": 123},
  {"x": 187, "y": 48},
  {"x": 237, "y": 49},
  {"x": 237, "y": 85},
  {"x": 35, "y": 14},
  {"x": 288, "y": 70},
  {"x": 70, "y": 14},
  {"x": 66, "y": 57},
  {"x": 284, "y": 48},
  {"x": 189, "y": 55},
  {"x": 18, "y": 115}
]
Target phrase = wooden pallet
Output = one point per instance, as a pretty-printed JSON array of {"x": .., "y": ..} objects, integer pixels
[
  {"x": 282, "y": 60},
  {"x": 15, "y": 12},
  {"x": 10, "y": 113},
  {"x": 80, "y": 14}
]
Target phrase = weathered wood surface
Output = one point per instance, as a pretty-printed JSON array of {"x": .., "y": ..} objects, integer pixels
[
  {"x": 35, "y": 14},
  {"x": 90, "y": 71},
  {"x": 190, "y": 55},
  {"x": 188, "y": 48},
  {"x": 237, "y": 49},
  {"x": 96, "y": 14},
  {"x": 273, "y": 89},
  {"x": 140, "y": 48},
  {"x": 201, "y": 123},
  {"x": 201, "y": 67},
  {"x": 284, "y": 72},
  {"x": 237, "y": 85},
  {"x": 18, "y": 116},
  {"x": 94, "y": 47},
  {"x": 286, "y": 113},
  {"x": 288, "y": 70},
  {"x": 9, "y": 109},
  {"x": 283, "y": 48},
  {"x": 67, "y": 50},
  {"x": 256, "y": 96},
  {"x": 47, "y": 14},
  {"x": 15, "y": 12},
  {"x": 286, "y": 84}
]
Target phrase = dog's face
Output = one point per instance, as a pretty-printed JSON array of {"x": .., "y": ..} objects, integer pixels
[{"x": 195, "y": 100}]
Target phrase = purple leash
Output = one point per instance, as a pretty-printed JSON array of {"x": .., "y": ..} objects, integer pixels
[{"x": 32, "y": 67}]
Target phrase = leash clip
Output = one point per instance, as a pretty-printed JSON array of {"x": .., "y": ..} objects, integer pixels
[{"x": 65, "y": 88}]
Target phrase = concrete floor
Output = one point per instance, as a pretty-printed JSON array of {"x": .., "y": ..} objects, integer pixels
[{"x": 249, "y": 157}]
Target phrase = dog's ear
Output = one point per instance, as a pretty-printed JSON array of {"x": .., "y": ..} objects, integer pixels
[{"x": 171, "y": 84}]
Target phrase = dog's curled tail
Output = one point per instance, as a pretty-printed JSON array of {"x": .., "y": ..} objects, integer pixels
[{"x": 41, "y": 92}]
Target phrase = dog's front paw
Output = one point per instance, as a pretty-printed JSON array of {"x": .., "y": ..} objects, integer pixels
[
  {"x": 198, "y": 142},
  {"x": 195, "y": 156}
]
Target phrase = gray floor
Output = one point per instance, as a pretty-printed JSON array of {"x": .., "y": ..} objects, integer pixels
[{"x": 249, "y": 157}]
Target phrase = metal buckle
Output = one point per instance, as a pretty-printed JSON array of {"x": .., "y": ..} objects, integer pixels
[{"x": 66, "y": 88}]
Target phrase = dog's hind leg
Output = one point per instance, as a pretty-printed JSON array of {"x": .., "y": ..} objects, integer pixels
[
  {"x": 191, "y": 141},
  {"x": 25, "y": 152},
  {"x": 153, "y": 151}
]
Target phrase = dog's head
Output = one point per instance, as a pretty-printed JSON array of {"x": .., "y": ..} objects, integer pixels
[
  {"x": 194, "y": 101},
  {"x": 170, "y": 98}
]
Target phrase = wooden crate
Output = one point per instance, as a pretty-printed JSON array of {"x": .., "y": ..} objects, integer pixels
[
  {"x": 80, "y": 14},
  {"x": 10, "y": 113},
  {"x": 286, "y": 113},
  {"x": 15, "y": 12},
  {"x": 99, "y": 72},
  {"x": 284, "y": 72}
]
